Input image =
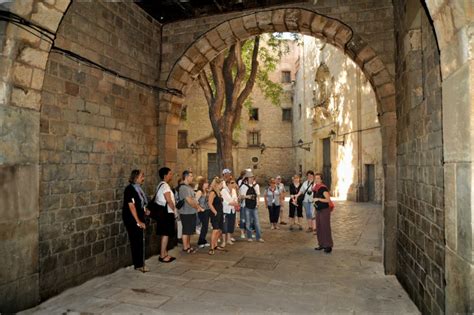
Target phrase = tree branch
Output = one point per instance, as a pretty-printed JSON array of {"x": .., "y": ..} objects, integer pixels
[
  {"x": 216, "y": 69},
  {"x": 251, "y": 81},
  {"x": 206, "y": 87}
]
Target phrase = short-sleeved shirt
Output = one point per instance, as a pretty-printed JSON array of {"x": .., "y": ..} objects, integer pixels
[
  {"x": 186, "y": 191},
  {"x": 203, "y": 201},
  {"x": 281, "y": 187},
  {"x": 320, "y": 194},
  {"x": 308, "y": 197},
  {"x": 243, "y": 189},
  {"x": 130, "y": 195},
  {"x": 160, "y": 195},
  {"x": 272, "y": 197}
]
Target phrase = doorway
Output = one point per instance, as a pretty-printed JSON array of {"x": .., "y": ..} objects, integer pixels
[
  {"x": 370, "y": 181},
  {"x": 212, "y": 168}
]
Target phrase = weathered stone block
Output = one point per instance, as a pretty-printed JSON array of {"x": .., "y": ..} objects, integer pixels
[
  {"x": 34, "y": 57},
  {"x": 47, "y": 17},
  {"x": 238, "y": 29}
]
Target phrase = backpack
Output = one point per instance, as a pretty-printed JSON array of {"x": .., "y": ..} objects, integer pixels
[
  {"x": 251, "y": 203},
  {"x": 179, "y": 202}
]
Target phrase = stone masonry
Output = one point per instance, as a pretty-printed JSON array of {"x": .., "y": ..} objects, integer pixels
[
  {"x": 23, "y": 58},
  {"x": 421, "y": 215},
  {"x": 95, "y": 128},
  {"x": 70, "y": 133}
]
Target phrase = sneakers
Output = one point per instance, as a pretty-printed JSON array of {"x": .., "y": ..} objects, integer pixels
[
  {"x": 249, "y": 240},
  {"x": 242, "y": 236},
  {"x": 204, "y": 245},
  {"x": 230, "y": 242},
  {"x": 261, "y": 240},
  {"x": 232, "y": 239}
]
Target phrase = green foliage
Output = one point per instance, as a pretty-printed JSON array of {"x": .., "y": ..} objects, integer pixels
[{"x": 272, "y": 48}]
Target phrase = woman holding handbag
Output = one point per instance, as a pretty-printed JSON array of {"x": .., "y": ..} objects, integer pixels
[
  {"x": 323, "y": 203},
  {"x": 166, "y": 218}
]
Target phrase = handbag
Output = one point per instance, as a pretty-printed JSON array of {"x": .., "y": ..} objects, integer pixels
[
  {"x": 156, "y": 209},
  {"x": 300, "y": 198}
]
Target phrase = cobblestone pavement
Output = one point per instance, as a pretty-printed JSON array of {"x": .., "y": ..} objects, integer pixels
[{"x": 283, "y": 275}]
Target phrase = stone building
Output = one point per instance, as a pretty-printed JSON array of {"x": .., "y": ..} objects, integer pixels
[
  {"x": 336, "y": 118},
  {"x": 263, "y": 139},
  {"x": 90, "y": 90}
]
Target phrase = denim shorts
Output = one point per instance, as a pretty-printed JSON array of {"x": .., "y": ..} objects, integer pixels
[{"x": 308, "y": 207}]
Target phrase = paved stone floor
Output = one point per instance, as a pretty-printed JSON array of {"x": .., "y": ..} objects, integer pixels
[{"x": 282, "y": 275}]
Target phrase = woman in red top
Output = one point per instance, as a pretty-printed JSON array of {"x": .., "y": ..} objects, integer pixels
[{"x": 322, "y": 199}]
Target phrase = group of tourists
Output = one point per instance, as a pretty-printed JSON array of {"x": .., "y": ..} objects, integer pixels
[{"x": 188, "y": 209}]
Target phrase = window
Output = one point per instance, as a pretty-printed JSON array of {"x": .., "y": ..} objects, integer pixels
[
  {"x": 285, "y": 77},
  {"x": 286, "y": 114},
  {"x": 184, "y": 113},
  {"x": 254, "y": 138},
  {"x": 253, "y": 114},
  {"x": 300, "y": 112},
  {"x": 182, "y": 139}
]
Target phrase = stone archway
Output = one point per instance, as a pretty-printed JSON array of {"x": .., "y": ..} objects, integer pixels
[
  {"x": 22, "y": 79},
  {"x": 23, "y": 62},
  {"x": 305, "y": 22}
]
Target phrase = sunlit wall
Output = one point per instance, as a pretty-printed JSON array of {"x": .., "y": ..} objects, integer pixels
[{"x": 337, "y": 104}]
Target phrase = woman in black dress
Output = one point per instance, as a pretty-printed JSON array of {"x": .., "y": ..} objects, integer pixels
[
  {"x": 217, "y": 213},
  {"x": 133, "y": 215},
  {"x": 294, "y": 207}
]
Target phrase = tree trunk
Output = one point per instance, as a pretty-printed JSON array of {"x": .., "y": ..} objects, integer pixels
[
  {"x": 224, "y": 150},
  {"x": 226, "y": 99}
]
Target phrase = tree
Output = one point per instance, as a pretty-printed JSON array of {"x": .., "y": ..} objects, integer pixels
[{"x": 229, "y": 81}]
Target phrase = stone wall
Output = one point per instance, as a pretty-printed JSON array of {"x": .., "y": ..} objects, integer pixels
[
  {"x": 23, "y": 56},
  {"x": 95, "y": 128},
  {"x": 421, "y": 215}
]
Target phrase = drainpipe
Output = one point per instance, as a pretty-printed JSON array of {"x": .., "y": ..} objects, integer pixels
[{"x": 360, "y": 184}]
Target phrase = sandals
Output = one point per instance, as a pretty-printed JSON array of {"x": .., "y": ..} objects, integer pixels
[
  {"x": 143, "y": 269},
  {"x": 170, "y": 259},
  {"x": 220, "y": 248},
  {"x": 189, "y": 250},
  {"x": 211, "y": 252}
]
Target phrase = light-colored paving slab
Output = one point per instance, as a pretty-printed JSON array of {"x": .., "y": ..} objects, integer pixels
[{"x": 283, "y": 275}]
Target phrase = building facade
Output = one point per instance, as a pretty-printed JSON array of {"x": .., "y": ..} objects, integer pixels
[{"x": 336, "y": 121}]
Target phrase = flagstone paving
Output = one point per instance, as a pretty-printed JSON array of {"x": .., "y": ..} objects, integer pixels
[{"x": 283, "y": 275}]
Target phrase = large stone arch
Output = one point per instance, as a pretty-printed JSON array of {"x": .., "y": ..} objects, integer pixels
[
  {"x": 305, "y": 22},
  {"x": 22, "y": 72}
]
